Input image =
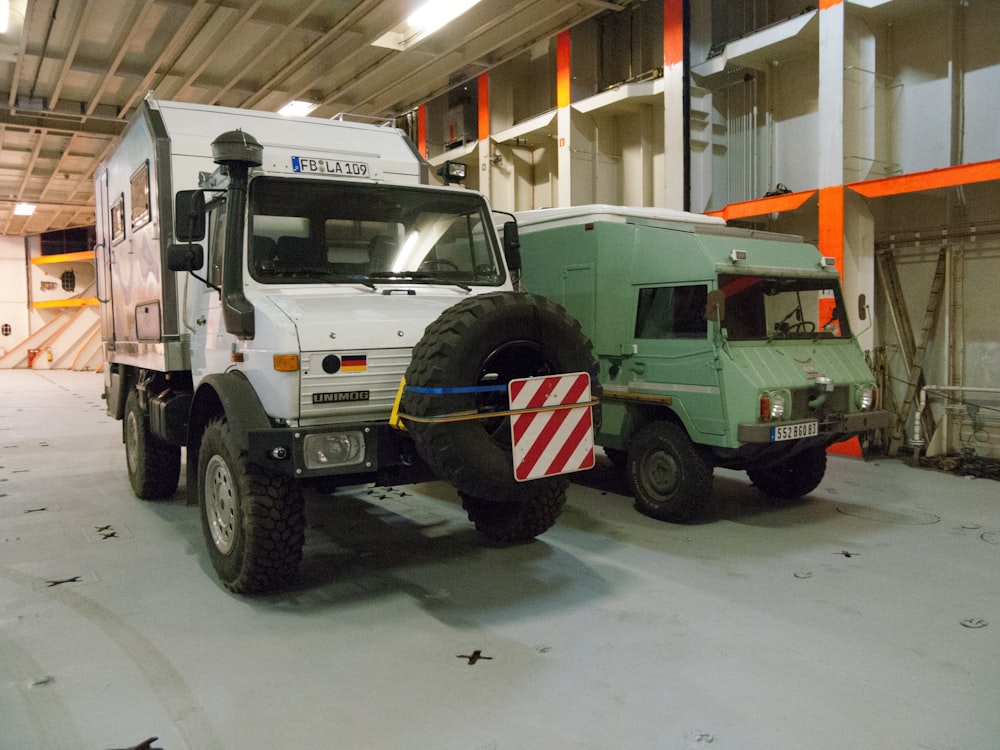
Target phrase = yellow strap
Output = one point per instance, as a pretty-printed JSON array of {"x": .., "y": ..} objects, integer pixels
[{"x": 394, "y": 420}]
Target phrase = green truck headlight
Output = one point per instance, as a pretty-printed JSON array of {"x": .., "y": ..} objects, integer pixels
[
  {"x": 772, "y": 405},
  {"x": 864, "y": 397},
  {"x": 334, "y": 449}
]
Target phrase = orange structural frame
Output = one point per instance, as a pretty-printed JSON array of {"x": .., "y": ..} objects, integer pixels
[
  {"x": 963, "y": 174},
  {"x": 673, "y": 32},
  {"x": 762, "y": 206},
  {"x": 484, "y": 106},
  {"x": 562, "y": 69},
  {"x": 422, "y": 130}
]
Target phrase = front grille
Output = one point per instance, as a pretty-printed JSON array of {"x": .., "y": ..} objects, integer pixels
[{"x": 383, "y": 371}]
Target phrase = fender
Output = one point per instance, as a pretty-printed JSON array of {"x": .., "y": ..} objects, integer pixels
[{"x": 232, "y": 394}]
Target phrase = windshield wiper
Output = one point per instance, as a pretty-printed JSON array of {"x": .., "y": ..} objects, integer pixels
[
  {"x": 421, "y": 275},
  {"x": 326, "y": 275}
]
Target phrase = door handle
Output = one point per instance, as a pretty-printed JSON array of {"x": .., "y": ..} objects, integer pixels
[{"x": 637, "y": 367}]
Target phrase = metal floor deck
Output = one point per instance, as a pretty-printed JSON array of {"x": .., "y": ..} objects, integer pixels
[{"x": 848, "y": 620}]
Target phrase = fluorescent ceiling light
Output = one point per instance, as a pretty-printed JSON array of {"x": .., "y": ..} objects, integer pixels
[
  {"x": 297, "y": 108},
  {"x": 24, "y": 209},
  {"x": 423, "y": 22}
]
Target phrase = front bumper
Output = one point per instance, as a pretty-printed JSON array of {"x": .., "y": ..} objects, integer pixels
[
  {"x": 389, "y": 455},
  {"x": 835, "y": 429}
]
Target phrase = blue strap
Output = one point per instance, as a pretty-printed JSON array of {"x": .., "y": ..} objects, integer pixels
[{"x": 460, "y": 389}]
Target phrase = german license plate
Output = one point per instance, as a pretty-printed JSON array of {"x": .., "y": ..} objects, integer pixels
[
  {"x": 794, "y": 431},
  {"x": 337, "y": 167}
]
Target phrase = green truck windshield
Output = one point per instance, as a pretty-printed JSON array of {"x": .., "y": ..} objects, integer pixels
[
  {"x": 304, "y": 231},
  {"x": 765, "y": 308}
]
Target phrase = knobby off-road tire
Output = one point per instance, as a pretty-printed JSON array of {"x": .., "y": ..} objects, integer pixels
[
  {"x": 517, "y": 522},
  {"x": 792, "y": 478},
  {"x": 253, "y": 520},
  {"x": 669, "y": 479},
  {"x": 154, "y": 467},
  {"x": 488, "y": 339}
]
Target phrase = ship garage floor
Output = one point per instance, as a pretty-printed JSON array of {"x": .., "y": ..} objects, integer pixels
[{"x": 865, "y": 616}]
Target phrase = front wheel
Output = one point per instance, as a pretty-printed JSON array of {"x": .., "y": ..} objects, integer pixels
[
  {"x": 513, "y": 521},
  {"x": 154, "y": 467},
  {"x": 669, "y": 479},
  {"x": 253, "y": 520},
  {"x": 792, "y": 478}
]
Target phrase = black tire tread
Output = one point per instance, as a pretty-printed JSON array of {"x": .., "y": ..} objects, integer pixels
[
  {"x": 273, "y": 521},
  {"x": 159, "y": 463},
  {"x": 695, "y": 484},
  {"x": 517, "y": 522}
]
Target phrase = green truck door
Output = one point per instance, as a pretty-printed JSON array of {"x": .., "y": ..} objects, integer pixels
[{"x": 672, "y": 354}]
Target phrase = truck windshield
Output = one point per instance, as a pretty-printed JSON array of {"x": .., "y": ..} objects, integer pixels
[
  {"x": 304, "y": 231},
  {"x": 774, "y": 307}
]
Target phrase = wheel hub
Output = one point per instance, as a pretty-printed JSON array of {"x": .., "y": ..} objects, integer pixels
[
  {"x": 662, "y": 473},
  {"x": 131, "y": 442},
  {"x": 220, "y": 504}
]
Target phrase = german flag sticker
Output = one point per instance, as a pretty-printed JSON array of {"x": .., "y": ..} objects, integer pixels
[{"x": 354, "y": 363}]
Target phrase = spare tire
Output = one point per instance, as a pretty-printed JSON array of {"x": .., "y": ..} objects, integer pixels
[{"x": 486, "y": 340}]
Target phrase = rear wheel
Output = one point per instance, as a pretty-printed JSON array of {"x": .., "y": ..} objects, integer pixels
[
  {"x": 512, "y": 522},
  {"x": 252, "y": 519},
  {"x": 792, "y": 478},
  {"x": 154, "y": 467},
  {"x": 669, "y": 479}
]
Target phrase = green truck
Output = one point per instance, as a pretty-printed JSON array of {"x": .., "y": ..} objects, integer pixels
[{"x": 718, "y": 346}]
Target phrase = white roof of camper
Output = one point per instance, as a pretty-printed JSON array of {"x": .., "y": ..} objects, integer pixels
[
  {"x": 606, "y": 212},
  {"x": 193, "y": 127}
]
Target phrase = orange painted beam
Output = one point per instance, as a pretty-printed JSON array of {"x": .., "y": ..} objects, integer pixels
[
  {"x": 824, "y": 4},
  {"x": 484, "y": 105},
  {"x": 562, "y": 69},
  {"x": 422, "y": 130},
  {"x": 673, "y": 32},
  {"x": 762, "y": 206},
  {"x": 963, "y": 174},
  {"x": 831, "y": 224}
]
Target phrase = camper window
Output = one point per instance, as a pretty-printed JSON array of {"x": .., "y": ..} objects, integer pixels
[{"x": 140, "y": 196}]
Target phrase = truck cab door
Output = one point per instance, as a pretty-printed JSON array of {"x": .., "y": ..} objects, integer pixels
[
  {"x": 673, "y": 354},
  {"x": 209, "y": 340}
]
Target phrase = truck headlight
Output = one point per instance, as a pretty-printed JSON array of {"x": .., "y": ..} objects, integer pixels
[
  {"x": 772, "y": 405},
  {"x": 864, "y": 397},
  {"x": 334, "y": 449}
]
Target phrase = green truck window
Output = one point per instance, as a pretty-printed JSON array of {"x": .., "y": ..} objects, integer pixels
[{"x": 672, "y": 312}]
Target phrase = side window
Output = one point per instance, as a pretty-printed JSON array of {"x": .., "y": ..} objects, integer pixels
[
  {"x": 216, "y": 241},
  {"x": 672, "y": 312},
  {"x": 118, "y": 219},
  {"x": 140, "y": 196}
]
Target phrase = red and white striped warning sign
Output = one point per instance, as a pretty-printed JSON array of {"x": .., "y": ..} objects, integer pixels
[{"x": 553, "y": 440}]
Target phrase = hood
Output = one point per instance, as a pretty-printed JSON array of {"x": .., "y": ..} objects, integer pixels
[
  {"x": 362, "y": 321},
  {"x": 796, "y": 364}
]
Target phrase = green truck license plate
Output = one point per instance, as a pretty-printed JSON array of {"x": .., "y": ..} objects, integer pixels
[{"x": 794, "y": 431}]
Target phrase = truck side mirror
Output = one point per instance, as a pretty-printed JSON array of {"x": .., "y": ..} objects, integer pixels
[
  {"x": 512, "y": 245},
  {"x": 862, "y": 307},
  {"x": 187, "y": 257},
  {"x": 715, "y": 308},
  {"x": 189, "y": 216}
]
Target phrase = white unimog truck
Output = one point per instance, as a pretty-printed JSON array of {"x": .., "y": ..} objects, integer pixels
[
  {"x": 266, "y": 283},
  {"x": 718, "y": 346}
]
